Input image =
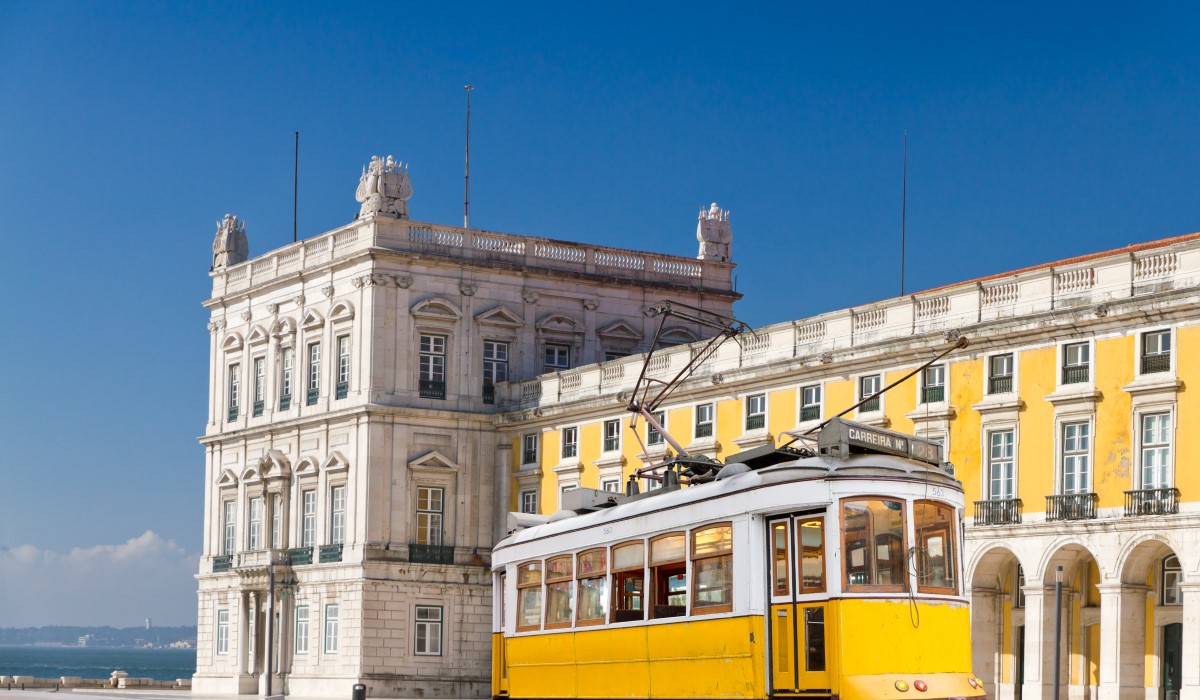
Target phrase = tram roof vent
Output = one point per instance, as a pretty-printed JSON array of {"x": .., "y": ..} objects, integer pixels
[
  {"x": 588, "y": 500},
  {"x": 842, "y": 438}
]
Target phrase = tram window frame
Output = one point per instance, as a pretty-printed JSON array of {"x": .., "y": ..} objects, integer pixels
[
  {"x": 559, "y": 582},
  {"x": 781, "y": 580},
  {"x": 531, "y": 585},
  {"x": 802, "y": 523},
  {"x": 622, "y": 574},
  {"x": 950, "y": 554},
  {"x": 594, "y": 575},
  {"x": 897, "y": 552},
  {"x": 662, "y": 571},
  {"x": 699, "y": 561}
]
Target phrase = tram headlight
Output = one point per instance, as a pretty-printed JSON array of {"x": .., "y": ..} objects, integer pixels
[
  {"x": 973, "y": 683},
  {"x": 921, "y": 686},
  {"x": 902, "y": 686}
]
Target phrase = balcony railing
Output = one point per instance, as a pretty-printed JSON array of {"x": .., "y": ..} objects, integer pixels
[
  {"x": 704, "y": 430},
  {"x": 312, "y": 396},
  {"x": 432, "y": 389},
  {"x": 343, "y": 388},
  {"x": 1071, "y": 506},
  {"x": 999, "y": 511},
  {"x": 872, "y": 405},
  {"x": 222, "y": 563},
  {"x": 1001, "y": 384},
  {"x": 258, "y": 408},
  {"x": 489, "y": 393},
  {"x": 808, "y": 413},
  {"x": 233, "y": 413},
  {"x": 300, "y": 555},
  {"x": 933, "y": 394},
  {"x": 1159, "y": 362},
  {"x": 570, "y": 450},
  {"x": 756, "y": 422},
  {"x": 1152, "y": 502},
  {"x": 329, "y": 553},
  {"x": 285, "y": 402},
  {"x": 1075, "y": 374},
  {"x": 430, "y": 553}
]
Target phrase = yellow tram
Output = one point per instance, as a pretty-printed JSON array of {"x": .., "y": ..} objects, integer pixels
[{"x": 833, "y": 573}]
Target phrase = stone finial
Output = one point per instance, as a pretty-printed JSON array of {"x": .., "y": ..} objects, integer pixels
[
  {"x": 715, "y": 235},
  {"x": 384, "y": 189},
  {"x": 230, "y": 246}
]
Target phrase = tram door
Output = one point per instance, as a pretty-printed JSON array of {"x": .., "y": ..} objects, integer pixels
[{"x": 797, "y": 617}]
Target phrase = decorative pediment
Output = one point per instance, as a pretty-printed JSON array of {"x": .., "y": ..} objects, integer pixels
[
  {"x": 232, "y": 342},
  {"x": 335, "y": 462},
  {"x": 312, "y": 319},
  {"x": 275, "y": 465},
  {"x": 342, "y": 311},
  {"x": 258, "y": 336},
  {"x": 284, "y": 326},
  {"x": 251, "y": 474},
  {"x": 433, "y": 460},
  {"x": 620, "y": 331},
  {"x": 436, "y": 308},
  {"x": 676, "y": 336},
  {"x": 306, "y": 466},
  {"x": 559, "y": 323},
  {"x": 499, "y": 316},
  {"x": 227, "y": 478}
]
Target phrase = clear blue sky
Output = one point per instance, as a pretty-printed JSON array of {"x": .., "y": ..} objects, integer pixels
[{"x": 127, "y": 130}]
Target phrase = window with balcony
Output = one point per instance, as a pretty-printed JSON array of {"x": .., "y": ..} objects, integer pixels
[
  {"x": 430, "y": 505},
  {"x": 868, "y": 386},
  {"x": 337, "y": 515},
  {"x": 314, "y": 373},
  {"x": 260, "y": 385},
  {"x": 1156, "y": 352},
  {"x": 756, "y": 412},
  {"x": 653, "y": 435},
  {"x": 495, "y": 368},
  {"x": 343, "y": 367},
  {"x": 235, "y": 390},
  {"x": 428, "y": 631},
  {"x": 301, "y": 629},
  {"x": 570, "y": 442},
  {"x": 1156, "y": 450},
  {"x": 432, "y": 366},
  {"x": 1000, "y": 465},
  {"x": 285, "y": 379},
  {"x": 558, "y": 357},
  {"x": 1077, "y": 362},
  {"x": 612, "y": 435},
  {"x": 228, "y": 525},
  {"x": 308, "y": 522},
  {"x": 529, "y": 449},
  {"x": 704, "y": 421},
  {"x": 1000, "y": 374},
  {"x": 810, "y": 403},
  {"x": 933, "y": 384},
  {"x": 254, "y": 540},
  {"x": 1076, "y": 458}
]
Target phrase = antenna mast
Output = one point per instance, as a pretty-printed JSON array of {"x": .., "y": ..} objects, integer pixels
[
  {"x": 903, "y": 210},
  {"x": 467, "y": 163},
  {"x": 295, "y": 185}
]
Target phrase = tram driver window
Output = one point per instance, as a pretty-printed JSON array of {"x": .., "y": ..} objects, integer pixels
[
  {"x": 935, "y": 541},
  {"x": 529, "y": 596},
  {"x": 558, "y": 592},
  {"x": 629, "y": 582},
  {"x": 873, "y": 544},
  {"x": 712, "y": 569},
  {"x": 668, "y": 576}
]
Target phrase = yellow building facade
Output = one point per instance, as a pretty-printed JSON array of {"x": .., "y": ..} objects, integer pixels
[{"x": 1067, "y": 418}]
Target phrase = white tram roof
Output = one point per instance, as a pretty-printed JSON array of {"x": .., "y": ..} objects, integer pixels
[{"x": 856, "y": 466}]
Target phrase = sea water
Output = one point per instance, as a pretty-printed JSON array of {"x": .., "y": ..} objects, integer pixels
[{"x": 96, "y": 662}]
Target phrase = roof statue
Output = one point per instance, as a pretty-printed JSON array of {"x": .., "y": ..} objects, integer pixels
[
  {"x": 230, "y": 246},
  {"x": 384, "y": 189},
  {"x": 714, "y": 234}
]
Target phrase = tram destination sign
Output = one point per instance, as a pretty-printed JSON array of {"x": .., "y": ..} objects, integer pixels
[{"x": 843, "y": 437}]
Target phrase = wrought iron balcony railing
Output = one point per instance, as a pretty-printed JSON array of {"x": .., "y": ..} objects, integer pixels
[
  {"x": 1075, "y": 374},
  {"x": 312, "y": 396},
  {"x": 430, "y": 553},
  {"x": 1071, "y": 506},
  {"x": 300, "y": 555},
  {"x": 872, "y": 405},
  {"x": 704, "y": 430},
  {"x": 329, "y": 553},
  {"x": 432, "y": 389},
  {"x": 285, "y": 402},
  {"x": 258, "y": 408},
  {"x": 1001, "y": 384},
  {"x": 808, "y": 413},
  {"x": 1152, "y": 502},
  {"x": 998, "y": 511},
  {"x": 933, "y": 394},
  {"x": 233, "y": 413},
  {"x": 222, "y": 563},
  {"x": 489, "y": 393},
  {"x": 343, "y": 388},
  {"x": 1159, "y": 362},
  {"x": 756, "y": 422}
]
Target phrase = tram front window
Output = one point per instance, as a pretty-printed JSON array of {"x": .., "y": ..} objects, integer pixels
[
  {"x": 873, "y": 532},
  {"x": 935, "y": 536}
]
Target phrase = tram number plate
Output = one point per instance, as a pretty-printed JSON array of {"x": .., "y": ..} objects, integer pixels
[
  {"x": 608, "y": 530},
  {"x": 938, "y": 492}
]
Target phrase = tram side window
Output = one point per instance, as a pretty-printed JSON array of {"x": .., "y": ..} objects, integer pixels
[
  {"x": 873, "y": 544},
  {"x": 591, "y": 569},
  {"x": 668, "y": 576},
  {"x": 935, "y": 538},
  {"x": 529, "y": 596},
  {"x": 629, "y": 582},
  {"x": 811, "y": 536},
  {"x": 558, "y": 592},
  {"x": 712, "y": 569},
  {"x": 779, "y": 549}
]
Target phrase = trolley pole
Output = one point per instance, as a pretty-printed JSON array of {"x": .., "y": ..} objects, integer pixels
[{"x": 1057, "y": 630}]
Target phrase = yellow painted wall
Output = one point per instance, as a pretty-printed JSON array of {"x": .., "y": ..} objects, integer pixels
[
  {"x": 966, "y": 390},
  {"x": 1112, "y": 451},
  {"x": 781, "y": 413},
  {"x": 1187, "y": 412}
]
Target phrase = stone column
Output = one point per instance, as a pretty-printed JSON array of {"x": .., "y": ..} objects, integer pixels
[
  {"x": 1039, "y": 644},
  {"x": 503, "y": 484},
  {"x": 243, "y": 628},
  {"x": 252, "y": 633},
  {"x": 987, "y": 632},
  {"x": 1190, "y": 686},
  {"x": 1122, "y": 641}
]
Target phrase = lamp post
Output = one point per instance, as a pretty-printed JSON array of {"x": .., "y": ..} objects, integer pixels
[{"x": 1057, "y": 629}]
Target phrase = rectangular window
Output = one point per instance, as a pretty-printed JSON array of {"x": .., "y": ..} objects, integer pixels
[
  {"x": 1000, "y": 374},
  {"x": 235, "y": 390},
  {"x": 756, "y": 412},
  {"x": 1076, "y": 457},
  {"x": 343, "y": 370},
  {"x": 1172, "y": 575},
  {"x": 1076, "y": 363},
  {"x": 495, "y": 362},
  {"x": 285, "y": 379},
  {"x": 260, "y": 385},
  {"x": 308, "y": 529},
  {"x": 314, "y": 372},
  {"x": 529, "y": 502},
  {"x": 810, "y": 403},
  {"x": 229, "y": 525},
  {"x": 712, "y": 569},
  {"x": 611, "y": 485},
  {"x": 629, "y": 582},
  {"x": 1000, "y": 465},
  {"x": 1156, "y": 352},
  {"x": 668, "y": 566},
  {"x": 256, "y": 523},
  {"x": 529, "y": 596},
  {"x": 704, "y": 421},
  {"x": 222, "y": 631},
  {"x": 429, "y": 515},
  {"x": 873, "y": 531},
  {"x": 1156, "y": 451},
  {"x": 591, "y": 567},
  {"x": 276, "y": 521},
  {"x": 529, "y": 449},
  {"x": 653, "y": 436},
  {"x": 810, "y": 542},
  {"x": 781, "y": 574},
  {"x": 428, "y": 630},
  {"x": 867, "y": 386},
  {"x": 337, "y": 515},
  {"x": 570, "y": 442},
  {"x": 331, "y": 628},
  {"x": 301, "y": 629},
  {"x": 935, "y": 537},
  {"x": 612, "y": 435},
  {"x": 558, "y": 357},
  {"x": 558, "y": 592},
  {"x": 432, "y": 367},
  {"x": 933, "y": 384}
]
